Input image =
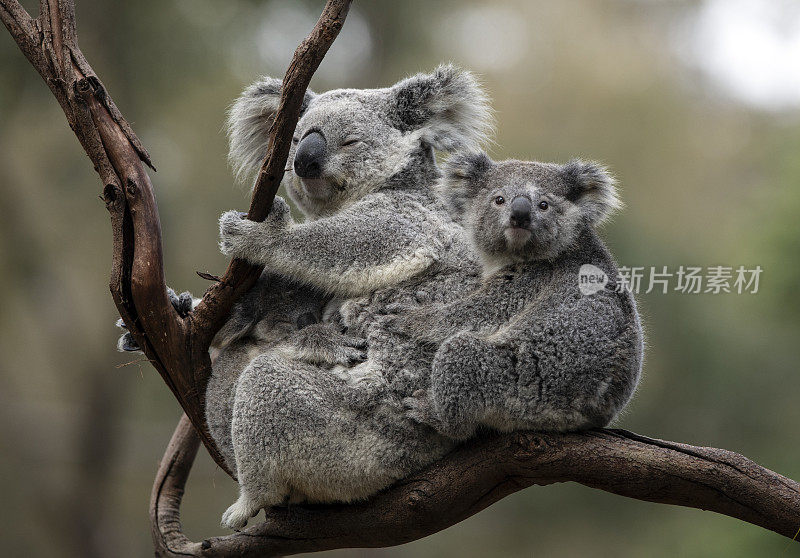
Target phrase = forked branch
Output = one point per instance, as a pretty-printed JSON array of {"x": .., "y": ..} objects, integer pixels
[{"x": 177, "y": 347}]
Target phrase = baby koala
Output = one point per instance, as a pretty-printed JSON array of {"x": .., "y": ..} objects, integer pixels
[{"x": 528, "y": 350}]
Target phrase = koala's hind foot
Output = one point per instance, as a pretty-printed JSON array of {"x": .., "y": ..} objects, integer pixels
[
  {"x": 468, "y": 380},
  {"x": 237, "y": 515},
  {"x": 248, "y": 505},
  {"x": 182, "y": 303}
]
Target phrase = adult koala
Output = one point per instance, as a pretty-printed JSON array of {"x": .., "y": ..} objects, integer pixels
[{"x": 362, "y": 171}]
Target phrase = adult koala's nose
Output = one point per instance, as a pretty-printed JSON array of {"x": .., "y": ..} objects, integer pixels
[
  {"x": 520, "y": 212},
  {"x": 310, "y": 155}
]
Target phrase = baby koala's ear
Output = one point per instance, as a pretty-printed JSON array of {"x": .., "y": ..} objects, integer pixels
[
  {"x": 249, "y": 119},
  {"x": 592, "y": 188},
  {"x": 448, "y": 107},
  {"x": 463, "y": 174}
]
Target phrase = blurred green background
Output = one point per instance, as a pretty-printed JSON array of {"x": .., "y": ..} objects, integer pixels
[{"x": 694, "y": 104}]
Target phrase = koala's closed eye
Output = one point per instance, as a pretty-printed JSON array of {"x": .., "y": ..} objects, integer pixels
[{"x": 350, "y": 140}]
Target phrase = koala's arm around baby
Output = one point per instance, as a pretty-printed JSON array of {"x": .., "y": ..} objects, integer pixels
[
  {"x": 364, "y": 247},
  {"x": 484, "y": 310}
]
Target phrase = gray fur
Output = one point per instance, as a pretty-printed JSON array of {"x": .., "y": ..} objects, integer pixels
[
  {"x": 275, "y": 309},
  {"x": 527, "y": 350},
  {"x": 307, "y": 426}
]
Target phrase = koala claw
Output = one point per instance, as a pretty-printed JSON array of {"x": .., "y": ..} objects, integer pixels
[
  {"x": 419, "y": 409},
  {"x": 397, "y": 308},
  {"x": 351, "y": 351},
  {"x": 354, "y": 342},
  {"x": 280, "y": 210},
  {"x": 350, "y": 356}
]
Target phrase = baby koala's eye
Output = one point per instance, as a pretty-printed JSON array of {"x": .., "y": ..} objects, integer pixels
[
  {"x": 499, "y": 200},
  {"x": 543, "y": 205},
  {"x": 295, "y": 140},
  {"x": 350, "y": 141}
]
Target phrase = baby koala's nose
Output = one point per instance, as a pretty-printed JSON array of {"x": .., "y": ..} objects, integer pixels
[{"x": 520, "y": 212}]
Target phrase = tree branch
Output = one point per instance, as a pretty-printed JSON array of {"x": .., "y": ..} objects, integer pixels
[
  {"x": 177, "y": 347},
  {"x": 481, "y": 472},
  {"x": 210, "y": 314}
]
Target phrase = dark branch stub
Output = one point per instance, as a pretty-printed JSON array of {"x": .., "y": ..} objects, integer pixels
[{"x": 208, "y": 276}]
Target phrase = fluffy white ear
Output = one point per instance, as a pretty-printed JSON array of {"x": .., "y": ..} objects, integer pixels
[
  {"x": 466, "y": 167},
  {"x": 448, "y": 107},
  {"x": 249, "y": 119},
  {"x": 463, "y": 178},
  {"x": 593, "y": 189}
]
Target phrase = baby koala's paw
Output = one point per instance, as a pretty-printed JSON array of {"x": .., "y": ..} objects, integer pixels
[
  {"x": 351, "y": 351},
  {"x": 419, "y": 408},
  {"x": 234, "y": 232}
]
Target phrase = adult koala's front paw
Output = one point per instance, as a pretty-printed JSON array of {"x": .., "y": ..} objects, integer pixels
[
  {"x": 234, "y": 231},
  {"x": 280, "y": 214},
  {"x": 240, "y": 237}
]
